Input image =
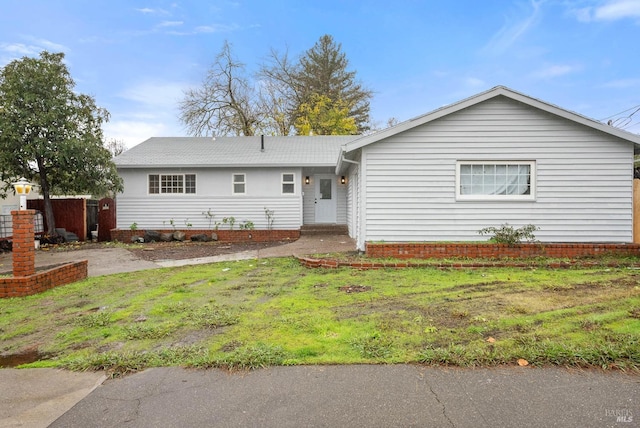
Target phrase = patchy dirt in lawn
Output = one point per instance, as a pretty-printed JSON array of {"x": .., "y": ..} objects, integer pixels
[{"x": 191, "y": 250}]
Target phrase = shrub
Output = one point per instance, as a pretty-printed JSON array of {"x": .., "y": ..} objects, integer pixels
[{"x": 506, "y": 234}]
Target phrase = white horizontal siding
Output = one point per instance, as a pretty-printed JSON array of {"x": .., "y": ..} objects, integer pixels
[
  {"x": 156, "y": 213},
  {"x": 584, "y": 178}
]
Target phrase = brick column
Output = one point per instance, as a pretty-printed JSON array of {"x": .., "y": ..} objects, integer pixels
[{"x": 24, "y": 251}]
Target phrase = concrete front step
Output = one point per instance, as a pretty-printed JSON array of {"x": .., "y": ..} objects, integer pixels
[{"x": 324, "y": 229}]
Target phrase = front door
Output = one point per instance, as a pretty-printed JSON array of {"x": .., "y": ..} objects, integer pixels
[{"x": 325, "y": 198}]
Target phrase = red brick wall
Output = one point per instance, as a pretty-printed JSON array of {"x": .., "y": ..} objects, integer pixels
[
  {"x": 487, "y": 250},
  {"x": 257, "y": 235},
  {"x": 42, "y": 281}
]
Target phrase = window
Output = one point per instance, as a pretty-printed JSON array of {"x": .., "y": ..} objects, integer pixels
[
  {"x": 495, "y": 180},
  {"x": 172, "y": 183},
  {"x": 239, "y": 184},
  {"x": 288, "y": 184}
]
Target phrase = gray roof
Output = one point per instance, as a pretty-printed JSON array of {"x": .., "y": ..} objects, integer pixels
[{"x": 234, "y": 151}]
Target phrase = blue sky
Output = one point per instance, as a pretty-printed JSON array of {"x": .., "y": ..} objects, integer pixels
[{"x": 137, "y": 57}]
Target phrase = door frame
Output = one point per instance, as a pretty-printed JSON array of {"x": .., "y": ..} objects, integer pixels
[{"x": 330, "y": 205}]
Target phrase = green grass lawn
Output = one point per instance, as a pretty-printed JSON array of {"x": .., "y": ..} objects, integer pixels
[{"x": 257, "y": 313}]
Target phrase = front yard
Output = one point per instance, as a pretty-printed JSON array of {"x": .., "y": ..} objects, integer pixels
[{"x": 256, "y": 313}]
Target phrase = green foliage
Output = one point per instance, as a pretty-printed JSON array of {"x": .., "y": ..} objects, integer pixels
[
  {"x": 50, "y": 134},
  {"x": 247, "y": 225},
  {"x": 323, "y": 75},
  {"x": 252, "y": 357},
  {"x": 133, "y": 226},
  {"x": 231, "y": 221},
  {"x": 506, "y": 234},
  {"x": 321, "y": 115},
  {"x": 373, "y": 346}
]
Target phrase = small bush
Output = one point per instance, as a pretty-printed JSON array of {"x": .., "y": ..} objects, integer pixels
[{"x": 506, "y": 234}]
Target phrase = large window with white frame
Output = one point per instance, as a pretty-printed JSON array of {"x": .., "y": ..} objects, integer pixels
[
  {"x": 495, "y": 180},
  {"x": 172, "y": 183},
  {"x": 288, "y": 184},
  {"x": 239, "y": 184}
]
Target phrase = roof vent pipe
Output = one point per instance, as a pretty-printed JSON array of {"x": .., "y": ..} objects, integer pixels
[{"x": 262, "y": 143}]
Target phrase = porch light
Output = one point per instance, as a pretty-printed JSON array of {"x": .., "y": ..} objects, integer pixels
[
  {"x": 22, "y": 188},
  {"x": 343, "y": 180},
  {"x": 306, "y": 180}
]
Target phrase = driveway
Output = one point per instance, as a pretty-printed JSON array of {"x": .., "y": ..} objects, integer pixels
[{"x": 107, "y": 261}]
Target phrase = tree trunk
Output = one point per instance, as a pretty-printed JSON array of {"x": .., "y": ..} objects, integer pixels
[{"x": 48, "y": 208}]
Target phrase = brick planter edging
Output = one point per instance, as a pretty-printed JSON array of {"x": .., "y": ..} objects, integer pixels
[
  {"x": 362, "y": 265},
  {"x": 489, "y": 251},
  {"x": 20, "y": 286},
  {"x": 255, "y": 235}
]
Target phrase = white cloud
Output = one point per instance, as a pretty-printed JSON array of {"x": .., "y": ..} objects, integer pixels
[
  {"x": 135, "y": 132},
  {"x": 513, "y": 30},
  {"x": 159, "y": 94},
  {"x": 623, "y": 83},
  {"x": 49, "y": 45},
  {"x": 170, "y": 24},
  {"x": 555, "y": 70},
  {"x": 474, "y": 82},
  {"x": 149, "y": 109},
  {"x": 610, "y": 11},
  {"x": 149, "y": 11}
]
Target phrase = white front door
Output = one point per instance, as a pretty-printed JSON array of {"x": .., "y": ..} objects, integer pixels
[{"x": 325, "y": 198}]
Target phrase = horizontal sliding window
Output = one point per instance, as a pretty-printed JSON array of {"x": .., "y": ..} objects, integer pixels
[
  {"x": 172, "y": 183},
  {"x": 500, "y": 180}
]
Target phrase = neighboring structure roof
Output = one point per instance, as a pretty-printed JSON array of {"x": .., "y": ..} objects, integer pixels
[
  {"x": 167, "y": 152},
  {"x": 483, "y": 96}
]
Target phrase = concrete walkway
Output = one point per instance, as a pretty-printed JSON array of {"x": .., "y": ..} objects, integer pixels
[{"x": 107, "y": 261}]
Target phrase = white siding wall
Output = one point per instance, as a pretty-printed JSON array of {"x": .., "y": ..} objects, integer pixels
[
  {"x": 353, "y": 202},
  {"x": 584, "y": 178},
  {"x": 213, "y": 191}
]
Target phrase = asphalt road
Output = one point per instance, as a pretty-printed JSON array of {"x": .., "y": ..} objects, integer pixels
[{"x": 362, "y": 396}]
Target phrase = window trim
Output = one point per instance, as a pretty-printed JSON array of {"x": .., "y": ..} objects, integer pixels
[
  {"x": 233, "y": 183},
  {"x": 292, "y": 182},
  {"x": 499, "y": 198},
  {"x": 184, "y": 184}
]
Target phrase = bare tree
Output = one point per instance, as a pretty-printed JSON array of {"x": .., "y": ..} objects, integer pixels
[
  {"x": 226, "y": 103},
  {"x": 316, "y": 91},
  {"x": 115, "y": 147}
]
